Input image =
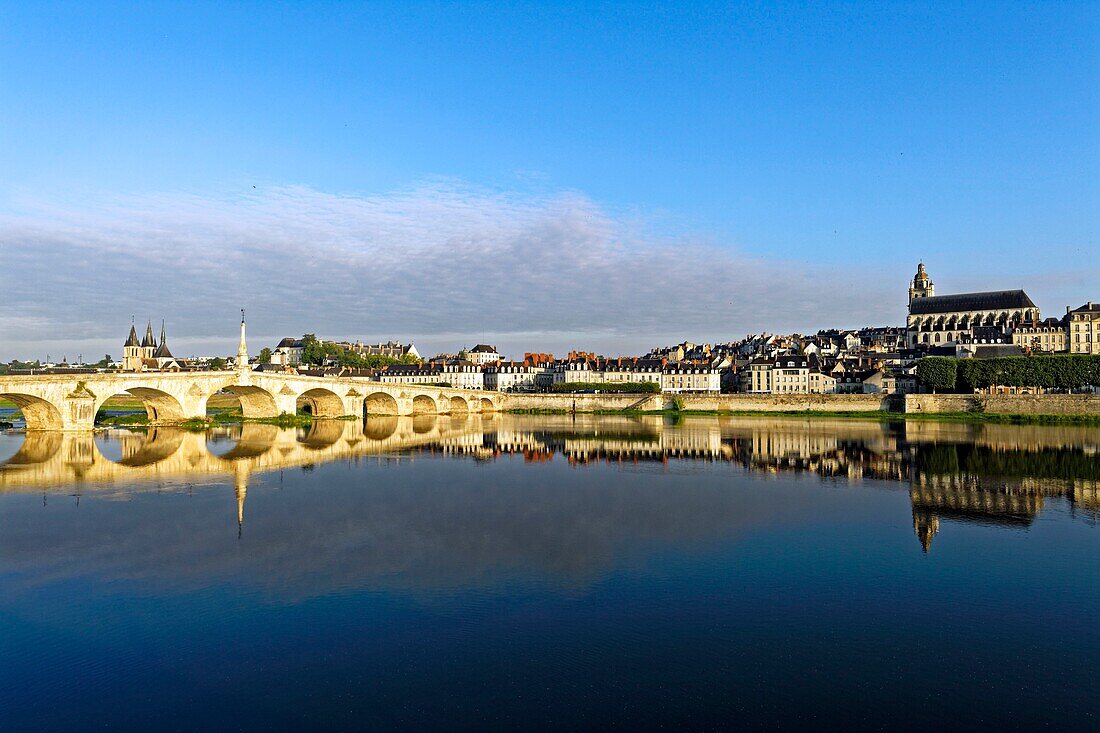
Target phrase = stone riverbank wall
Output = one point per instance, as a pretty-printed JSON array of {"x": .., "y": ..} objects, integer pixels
[
  {"x": 1060, "y": 404},
  {"x": 1048, "y": 404}
]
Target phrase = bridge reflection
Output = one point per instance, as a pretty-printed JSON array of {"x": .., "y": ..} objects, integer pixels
[{"x": 953, "y": 472}]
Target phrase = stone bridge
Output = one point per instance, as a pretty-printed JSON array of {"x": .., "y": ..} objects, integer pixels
[{"x": 64, "y": 402}]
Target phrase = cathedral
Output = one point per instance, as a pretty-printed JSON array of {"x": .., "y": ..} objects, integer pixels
[
  {"x": 944, "y": 320},
  {"x": 148, "y": 355}
]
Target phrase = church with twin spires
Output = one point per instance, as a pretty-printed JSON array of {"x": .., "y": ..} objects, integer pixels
[{"x": 148, "y": 355}]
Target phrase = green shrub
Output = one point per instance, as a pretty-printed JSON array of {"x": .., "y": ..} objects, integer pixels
[
  {"x": 937, "y": 373},
  {"x": 1059, "y": 371}
]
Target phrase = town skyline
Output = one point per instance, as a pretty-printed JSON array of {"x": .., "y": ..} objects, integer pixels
[{"x": 510, "y": 344}]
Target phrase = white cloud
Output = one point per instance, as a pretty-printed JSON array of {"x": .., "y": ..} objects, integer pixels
[{"x": 442, "y": 263}]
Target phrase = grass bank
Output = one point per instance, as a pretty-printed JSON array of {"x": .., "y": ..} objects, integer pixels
[{"x": 214, "y": 419}]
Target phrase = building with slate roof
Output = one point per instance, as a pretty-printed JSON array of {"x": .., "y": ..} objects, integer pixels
[
  {"x": 483, "y": 354},
  {"x": 941, "y": 320}
]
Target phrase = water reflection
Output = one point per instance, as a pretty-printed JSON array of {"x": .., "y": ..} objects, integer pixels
[
  {"x": 997, "y": 474},
  {"x": 463, "y": 572}
]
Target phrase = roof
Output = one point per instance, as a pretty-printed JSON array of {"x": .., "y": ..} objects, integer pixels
[
  {"x": 990, "y": 301},
  {"x": 132, "y": 339},
  {"x": 1045, "y": 323},
  {"x": 289, "y": 343},
  {"x": 270, "y": 368},
  {"x": 411, "y": 368},
  {"x": 801, "y": 361},
  {"x": 484, "y": 349}
]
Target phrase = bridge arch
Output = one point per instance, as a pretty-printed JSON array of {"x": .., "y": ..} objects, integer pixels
[
  {"x": 458, "y": 404},
  {"x": 422, "y": 404},
  {"x": 255, "y": 401},
  {"x": 380, "y": 403},
  {"x": 38, "y": 413},
  {"x": 321, "y": 402},
  {"x": 487, "y": 405},
  {"x": 160, "y": 407}
]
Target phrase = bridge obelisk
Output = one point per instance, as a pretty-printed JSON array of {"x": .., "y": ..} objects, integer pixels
[{"x": 242, "y": 352}]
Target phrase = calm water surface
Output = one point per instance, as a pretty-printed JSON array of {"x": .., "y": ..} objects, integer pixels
[{"x": 550, "y": 572}]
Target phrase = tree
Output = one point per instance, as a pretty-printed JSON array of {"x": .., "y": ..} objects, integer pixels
[
  {"x": 1061, "y": 371},
  {"x": 937, "y": 373},
  {"x": 265, "y": 355},
  {"x": 217, "y": 363},
  {"x": 313, "y": 351}
]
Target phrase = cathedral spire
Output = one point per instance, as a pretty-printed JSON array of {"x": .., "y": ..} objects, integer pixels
[
  {"x": 162, "y": 351},
  {"x": 149, "y": 342}
]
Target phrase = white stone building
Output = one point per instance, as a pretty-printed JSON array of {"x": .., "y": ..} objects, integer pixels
[
  {"x": 483, "y": 354},
  {"x": 1084, "y": 329},
  {"x": 515, "y": 376},
  {"x": 787, "y": 374},
  {"x": 1049, "y": 336},
  {"x": 464, "y": 375},
  {"x": 288, "y": 352},
  {"x": 688, "y": 377},
  {"x": 608, "y": 370}
]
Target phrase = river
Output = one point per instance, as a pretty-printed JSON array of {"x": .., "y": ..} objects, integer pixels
[{"x": 551, "y": 572}]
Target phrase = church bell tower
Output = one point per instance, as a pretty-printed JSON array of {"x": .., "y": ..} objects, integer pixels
[
  {"x": 922, "y": 286},
  {"x": 131, "y": 351}
]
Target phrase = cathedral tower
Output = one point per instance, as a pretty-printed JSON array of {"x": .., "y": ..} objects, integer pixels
[{"x": 922, "y": 286}]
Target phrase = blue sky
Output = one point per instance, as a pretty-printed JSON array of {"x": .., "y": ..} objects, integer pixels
[{"x": 601, "y": 176}]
